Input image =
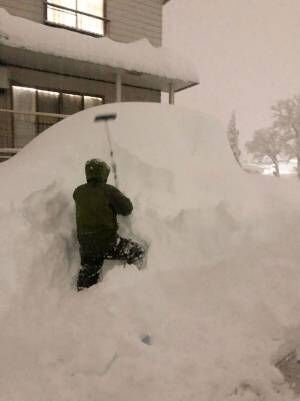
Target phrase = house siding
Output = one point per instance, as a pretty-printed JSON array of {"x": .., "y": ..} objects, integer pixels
[
  {"x": 135, "y": 19},
  {"x": 30, "y": 9}
]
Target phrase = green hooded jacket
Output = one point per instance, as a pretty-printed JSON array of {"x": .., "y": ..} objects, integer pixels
[{"x": 97, "y": 206}]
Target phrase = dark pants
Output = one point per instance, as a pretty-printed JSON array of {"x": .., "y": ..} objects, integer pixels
[{"x": 125, "y": 249}]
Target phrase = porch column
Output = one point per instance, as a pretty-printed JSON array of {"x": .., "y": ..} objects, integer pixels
[
  {"x": 118, "y": 88},
  {"x": 171, "y": 94}
]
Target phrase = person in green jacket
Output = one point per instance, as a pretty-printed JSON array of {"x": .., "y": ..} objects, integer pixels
[{"x": 97, "y": 206}]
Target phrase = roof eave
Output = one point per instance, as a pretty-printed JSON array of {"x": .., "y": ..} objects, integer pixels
[{"x": 24, "y": 58}]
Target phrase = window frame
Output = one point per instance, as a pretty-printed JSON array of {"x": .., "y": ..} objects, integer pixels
[
  {"x": 76, "y": 12},
  {"x": 60, "y": 94},
  {"x": 59, "y": 91}
]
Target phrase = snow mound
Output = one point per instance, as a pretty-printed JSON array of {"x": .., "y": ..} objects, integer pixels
[{"x": 220, "y": 295}]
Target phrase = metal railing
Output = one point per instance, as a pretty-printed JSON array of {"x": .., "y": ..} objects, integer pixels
[{"x": 17, "y": 128}]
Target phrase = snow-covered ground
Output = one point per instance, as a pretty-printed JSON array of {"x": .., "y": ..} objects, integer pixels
[
  {"x": 286, "y": 168},
  {"x": 219, "y": 298}
]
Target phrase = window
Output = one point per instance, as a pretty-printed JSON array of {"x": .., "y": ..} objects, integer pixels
[
  {"x": 24, "y": 99},
  {"x": 47, "y": 102},
  {"x": 31, "y": 100},
  {"x": 91, "y": 101},
  {"x": 80, "y": 15}
]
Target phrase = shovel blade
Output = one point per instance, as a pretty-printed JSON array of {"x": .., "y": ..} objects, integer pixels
[{"x": 105, "y": 117}]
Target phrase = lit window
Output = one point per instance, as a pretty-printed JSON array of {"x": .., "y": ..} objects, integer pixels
[
  {"x": 37, "y": 110},
  {"x": 91, "y": 101},
  {"x": 82, "y": 15},
  {"x": 48, "y": 93},
  {"x": 24, "y": 99}
]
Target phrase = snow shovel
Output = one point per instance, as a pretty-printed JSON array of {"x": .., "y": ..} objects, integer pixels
[{"x": 106, "y": 118}]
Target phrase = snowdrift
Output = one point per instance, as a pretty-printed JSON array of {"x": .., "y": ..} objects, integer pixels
[{"x": 218, "y": 303}]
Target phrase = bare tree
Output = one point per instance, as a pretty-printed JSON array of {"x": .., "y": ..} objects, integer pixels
[
  {"x": 233, "y": 137},
  {"x": 287, "y": 121},
  {"x": 267, "y": 142}
]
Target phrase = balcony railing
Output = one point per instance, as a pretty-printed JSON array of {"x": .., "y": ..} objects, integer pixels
[{"x": 17, "y": 128}]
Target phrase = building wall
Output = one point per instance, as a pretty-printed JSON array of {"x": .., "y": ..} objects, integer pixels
[
  {"x": 130, "y": 19},
  {"x": 30, "y": 9},
  {"x": 135, "y": 19}
]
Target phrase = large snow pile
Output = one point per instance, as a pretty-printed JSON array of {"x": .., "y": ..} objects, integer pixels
[
  {"x": 137, "y": 56},
  {"x": 219, "y": 299}
]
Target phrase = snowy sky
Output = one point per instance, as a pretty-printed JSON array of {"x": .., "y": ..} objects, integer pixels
[{"x": 248, "y": 53}]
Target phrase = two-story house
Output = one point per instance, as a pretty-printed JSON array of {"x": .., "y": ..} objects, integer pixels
[{"x": 58, "y": 57}]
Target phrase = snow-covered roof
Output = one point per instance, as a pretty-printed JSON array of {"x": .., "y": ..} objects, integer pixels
[{"x": 139, "y": 56}]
